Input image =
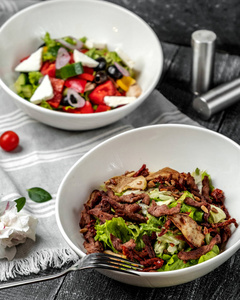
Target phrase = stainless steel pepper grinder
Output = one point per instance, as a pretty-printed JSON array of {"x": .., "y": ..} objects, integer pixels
[{"x": 203, "y": 55}]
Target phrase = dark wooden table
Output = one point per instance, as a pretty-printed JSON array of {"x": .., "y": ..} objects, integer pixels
[{"x": 222, "y": 283}]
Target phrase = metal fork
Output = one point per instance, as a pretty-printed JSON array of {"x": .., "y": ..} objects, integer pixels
[{"x": 95, "y": 260}]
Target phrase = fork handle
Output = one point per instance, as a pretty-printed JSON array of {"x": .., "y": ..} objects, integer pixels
[{"x": 28, "y": 281}]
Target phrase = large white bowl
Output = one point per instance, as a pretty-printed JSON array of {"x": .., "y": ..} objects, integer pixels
[
  {"x": 98, "y": 20},
  {"x": 180, "y": 147}
]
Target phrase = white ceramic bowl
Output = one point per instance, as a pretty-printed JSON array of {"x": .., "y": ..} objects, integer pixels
[
  {"x": 180, "y": 147},
  {"x": 98, "y": 20}
]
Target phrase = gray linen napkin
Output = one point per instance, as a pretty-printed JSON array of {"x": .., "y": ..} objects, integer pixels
[{"x": 44, "y": 156}]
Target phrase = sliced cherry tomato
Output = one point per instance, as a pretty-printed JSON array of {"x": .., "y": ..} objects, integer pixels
[
  {"x": 102, "y": 107},
  {"x": 49, "y": 69},
  {"x": 88, "y": 70},
  {"x": 57, "y": 85},
  {"x": 9, "y": 141},
  {"x": 84, "y": 50},
  {"x": 86, "y": 109},
  {"x": 86, "y": 76},
  {"x": 76, "y": 84},
  {"x": 105, "y": 89},
  {"x": 71, "y": 61}
]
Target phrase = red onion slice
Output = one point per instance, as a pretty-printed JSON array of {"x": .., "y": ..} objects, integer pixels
[
  {"x": 78, "y": 45},
  {"x": 80, "y": 101},
  {"x": 122, "y": 69},
  {"x": 63, "y": 57}
]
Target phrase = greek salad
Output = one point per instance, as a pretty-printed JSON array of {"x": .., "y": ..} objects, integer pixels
[
  {"x": 77, "y": 76},
  {"x": 166, "y": 220}
]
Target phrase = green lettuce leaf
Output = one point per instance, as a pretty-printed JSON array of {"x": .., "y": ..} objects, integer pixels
[
  {"x": 170, "y": 242},
  {"x": 174, "y": 263},
  {"x": 164, "y": 197},
  {"x": 116, "y": 227},
  {"x": 195, "y": 213},
  {"x": 216, "y": 217},
  {"x": 214, "y": 252}
]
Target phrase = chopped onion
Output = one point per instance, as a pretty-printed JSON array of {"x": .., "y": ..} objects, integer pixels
[
  {"x": 80, "y": 102},
  {"x": 122, "y": 69},
  {"x": 78, "y": 45},
  {"x": 63, "y": 57}
]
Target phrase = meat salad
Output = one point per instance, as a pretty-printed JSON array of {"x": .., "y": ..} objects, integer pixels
[{"x": 166, "y": 220}]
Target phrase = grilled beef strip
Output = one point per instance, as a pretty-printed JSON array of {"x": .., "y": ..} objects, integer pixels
[
  {"x": 162, "y": 210},
  {"x": 197, "y": 253}
]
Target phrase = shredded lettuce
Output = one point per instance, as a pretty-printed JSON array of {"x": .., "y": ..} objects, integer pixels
[
  {"x": 214, "y": 252},
  {"x": 45, "y": 104},
  {"x": 51, "y": 48},
  {"x": 216, "y": 217},
  {"x": 195, "y": 213},
  {"x": 185, "y": 195},
  {"x": 174, "y": 263},
  {"x": 96, "y": 53},
  {"x": 33, "y": 78},
  {"x": 163, "y": 196},
  {"x": 116, "y": 227},
  {"x": 170, "y": 242},
  {"x": 198, "y": 177}
]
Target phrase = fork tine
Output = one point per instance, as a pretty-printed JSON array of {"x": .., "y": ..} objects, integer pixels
[
  {"x": 116, "y": 261},
  {"x": 117, "y": 269}
]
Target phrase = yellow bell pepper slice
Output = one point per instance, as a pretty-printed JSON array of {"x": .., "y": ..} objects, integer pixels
[{"x": 125, "y": 82}]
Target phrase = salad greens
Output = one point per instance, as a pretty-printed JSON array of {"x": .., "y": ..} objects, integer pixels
[
  {"x": 80, "y": 76},
  {"x": 168, "y": 226}
]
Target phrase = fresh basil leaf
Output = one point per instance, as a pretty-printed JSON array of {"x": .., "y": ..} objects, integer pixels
[
  {"x": 20, "y": 203},
  {"x": 39, "y": 195}
]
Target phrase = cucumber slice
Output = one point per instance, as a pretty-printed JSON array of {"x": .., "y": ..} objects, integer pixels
[
  {"x": 22, "y": 80},
  {"x": 69, "y": 71},
  {"x": 27, "y": 91}
]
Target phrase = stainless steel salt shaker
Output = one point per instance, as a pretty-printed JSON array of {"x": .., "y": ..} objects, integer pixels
[
  {"x": 203, "y": 54},
  {"x": 217, "y": 99}
]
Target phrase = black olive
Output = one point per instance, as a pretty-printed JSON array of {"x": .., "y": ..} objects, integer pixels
[
  {"x": 100, "y": 77},
  {"x": 102, "y": 64},
  {"x": 114, "y": 72},
  {"x": 64, "y": 101}
]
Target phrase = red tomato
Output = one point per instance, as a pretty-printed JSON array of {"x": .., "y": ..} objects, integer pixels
[
  {"x": 105, "y": 89},
  {"x": 86, "y": 109},
  {"x": 49, "y": 69},
  {"x": 76, "y": 84},
  {"x": 9, "y": 141},
  {"x": 102, "y": 107},
  {"x": 57, "y": 85},
  {"x": 86, "y": 76},
  {"x": 88, "y": 70}
]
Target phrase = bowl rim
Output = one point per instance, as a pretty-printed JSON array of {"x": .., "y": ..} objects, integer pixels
[
  {"x": 217, "y": 260},
  {"x": 122, "y": 109}
]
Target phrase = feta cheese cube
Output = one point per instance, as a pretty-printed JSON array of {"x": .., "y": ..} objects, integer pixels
[
  {"x": 84, "y": 59},
  {"x": 32, "y": 63},
  {"x": 130, "y": 63},
  {"x": 114, "y": 101},
  {"x": 43, "y": 92},
  {"x": 92, "y": 44}
]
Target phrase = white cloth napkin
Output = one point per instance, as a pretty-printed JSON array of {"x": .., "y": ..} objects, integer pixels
[{"x": 42, "y": 159}]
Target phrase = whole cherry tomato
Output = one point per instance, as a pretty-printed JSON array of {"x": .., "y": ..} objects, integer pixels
[{"x": 9, "y": 141}]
